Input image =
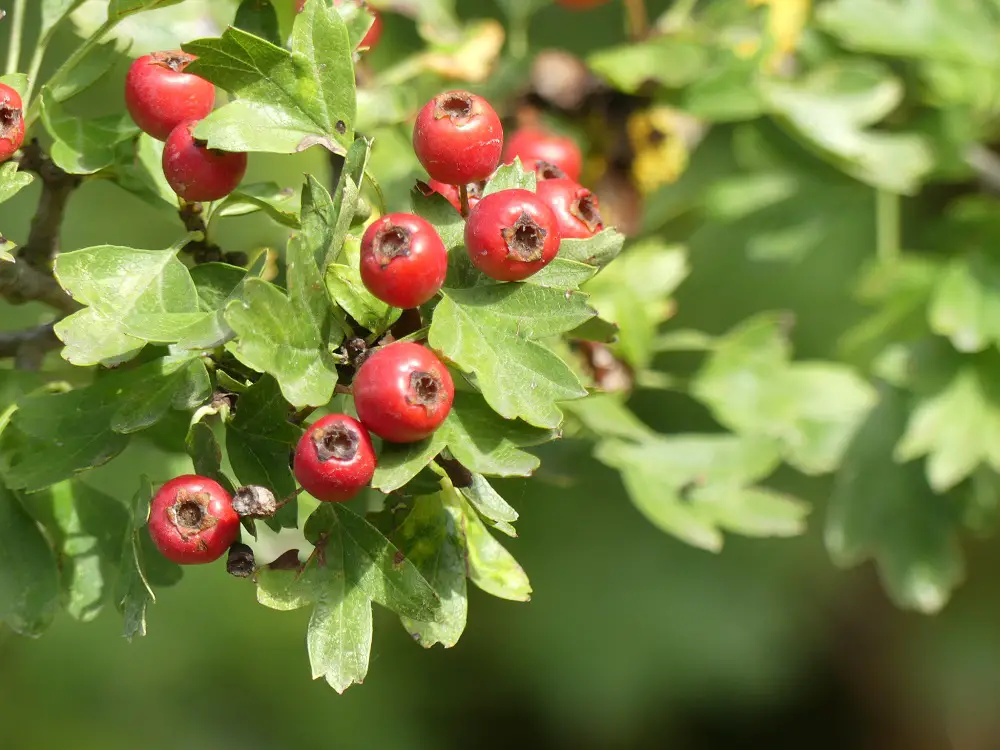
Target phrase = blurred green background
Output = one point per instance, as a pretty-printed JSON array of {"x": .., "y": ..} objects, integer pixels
[{"x": 632, "y": 640}]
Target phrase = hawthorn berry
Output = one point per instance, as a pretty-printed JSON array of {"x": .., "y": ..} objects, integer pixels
[
  {"x": 542, "y": 150},
  {"x": 160, "y": 95},
  {"x": 576, "y": 209},
  {"x": 511, "y": 235},
  {"x": 11, "y": 122},
  {"x": 192, "y": 521},
  {"x": 450, "y": 192},
  {"x": 196, "y": 172},
  {"x": 335, "y": 459},
  {"x": 458, "y": 138},
  {"x": 403, "y": 260},
  {"x": 403, "y": 392}
]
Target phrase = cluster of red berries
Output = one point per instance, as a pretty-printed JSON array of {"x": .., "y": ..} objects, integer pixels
[
  {"x": 168, "y": 103},
  {"x": 509, "y": 235},
  {"x": 402, "y": 393}
]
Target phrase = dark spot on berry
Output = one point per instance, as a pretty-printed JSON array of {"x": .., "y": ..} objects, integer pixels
[
  {"x": 240, "y": 562},
  {"x": 546, "y": 170},
  {"x": 456, "y": 105},
  {"x": 426, "y": 388},
  {"x": 338, "y": 442},
  {"x": 585, "y": 209},
  {"x": 340, "y": 127},
  {"x": 525, "y": 239},
  {"x": 190, "y": 514},
  {"x": 10, "y": 121},
  {"x": 391, "y": 241}
]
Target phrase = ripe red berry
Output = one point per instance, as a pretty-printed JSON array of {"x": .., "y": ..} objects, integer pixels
[
  {"x": 534, "y": 145},
  {"x": 403, "y": 392},
  {"x": 160, "y": 95},
  {"x": 192, "y": 521},
  {"x": 11, "y": 122},
  {"x": 511, "y": 235},
  {"x": 335, "y": 459},
  {"x": 450, "y": 192},
  {"x": 403, "y": 260},
  {"x": 576, "y": 209},
  {"x": 458, "y": 138},
  {"x": 196, "y": 172}
]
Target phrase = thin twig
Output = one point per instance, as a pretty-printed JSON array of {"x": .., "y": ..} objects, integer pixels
[
  {"x": 28, "y": 347},
  {"x": 17, "y": 31},
  {"x": 463, "y": 196},
  {"x": 20, "y": 283},
  {"x": 57, "y": 186}
]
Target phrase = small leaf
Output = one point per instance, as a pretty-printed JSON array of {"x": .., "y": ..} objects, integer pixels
[
  {"x": 340, "y": 636},
  {"x": 491, "y": 567},
  {"x": 280, "y": 203},
  {"x": 511, "y": 176},
  {"x": 12, "y": 181},
  {"x": 966, "y": 303},
  {"x": 666, "y": 60},
  {"x": 206, "y": 454},
  {"x": 497, "y": 512},
  {"x": 93, "y": 67},
  {"x": 345, "y": 199},
  {"x": 259, "y": 18},
  {"x": 598, "y": 250},
  {"x": 84, "y": 146},
  {"x": 344, "y": 284},
  {"x": 29, "y": 583},
  {"x": 179, "y": 382},
  {"x": 133, "y": 593}
]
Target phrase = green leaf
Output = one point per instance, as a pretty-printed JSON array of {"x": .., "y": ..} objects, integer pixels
[
  {"x": 13, "y": 181},
  {"x": 833, "y": 110},
  {"x": 345, "y": 200},
  {"x": 178, "y": 382},
  {"x": 217, "y": 285},
  {"x": 667, "y": 60},
  {"x": 957, "y": 428},
  {"x": 511, "y": 176},
  {"x": 605, "y": 415},
  {"x": 432, "y": 538},
  {"x": 84, "y": 146},
  {"x": 344, "y": 284},
  {"x": 966, "y": 303},
  {"x": 448, "y": 222},
  {"x": 92, "y": 68},
  {"x": 289, "y": 337},
  {"x": 598, "y": 250},
  {"x": 279, "y": 203},
  {"x": 690, "y": 485},
  {"x": 563, "y": 274},
  {"x": 259, "y": 18},
  {"x": 478, "y": 437},
  {"x": 340, "y": 632},
  {"x": 133, "y": 593},
  {"x": 259, "y": 442},
  {"x": 206, "y": 454},
  {"x": 485, "y": 331},
  {"x": 119, "y": 9},
  {"x": 91, "y": 338},
  {"x": 810, "y": 409},
  {"x": 885, "y": 511},
  {"x": 86, "y": 528},
  {"x": 138, "y": 170},
  {"x": 29, "y": 582},
  {"x": 497, "y": 512},
  {"x": 491, "y": 567},
  {"x": 283, "y": 101}
]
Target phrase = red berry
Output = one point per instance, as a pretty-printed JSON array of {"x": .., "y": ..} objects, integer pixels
[
  {"x": 11, "y": 122},
  {"x": 198, "y": 173},
  {"x": 192, "y": 521},
  {"x": 335, "y": 459},
  {"x": 576, "y": 209},
  {"x": 403, "y": 260},
  {"x": 160, "y": 95},
  {"x": 403, "y": 392},
  {"x": 511, "y": 235},
  {"x": 534, "y": 145},
  {"x": 458, "y": 138},
  {"x": 450, "y": 192}
]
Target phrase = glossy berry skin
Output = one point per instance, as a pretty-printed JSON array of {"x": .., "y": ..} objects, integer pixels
[
  {"x": 450, "y": 193},
  {"x": 533, "y": 145},
  {"x": 458, "y": 138},
  {"x": 160, "y": 95},
  {"x": 11, "y": 122},
  {"x": 403, "y": 392},
  {"x": 192, "y": 521},
  {"x": 403, "y": 260},
  {"x": 198, "y": 173},
  {"x": 335, "y": 459},
  {"x": 511, "y": 235},
  {"x": 576, "y": 209}
]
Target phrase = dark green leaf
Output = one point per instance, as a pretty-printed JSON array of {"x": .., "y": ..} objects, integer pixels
[
  {"x": 84, "y": 146},
  {"x": 29, "y": 580},
  {"x": 259, "y": 18},
  {"x": 206, "y": 454},
  {"x": 133, "y": 593},
  {"x": 497, "y": 512}
]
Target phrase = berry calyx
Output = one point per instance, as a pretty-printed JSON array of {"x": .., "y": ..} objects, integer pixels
[
  {"x": 403, "y": 260},
  {"x": 160, "y": 95},
  {"x": 451, "y": 194},
  {"x": 196, "y": 172},
  {"x": 533, "y": 145},
  {"x": 335, "y": 459},
  {"x": 192, "y": 521},
  {"x": 11, "y": 122},
  {"x": 576, "y": 209},
  {"x": 403, "y": 392},
  {"x": 458, "y": 138},
  {"x": 511, "y": 235}
]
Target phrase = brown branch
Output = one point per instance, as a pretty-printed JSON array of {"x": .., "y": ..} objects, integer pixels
[
  {"x": 21, "y": 283},
  {"x": 43, "y": 239},
  {"x": 28, "y": 347}
]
